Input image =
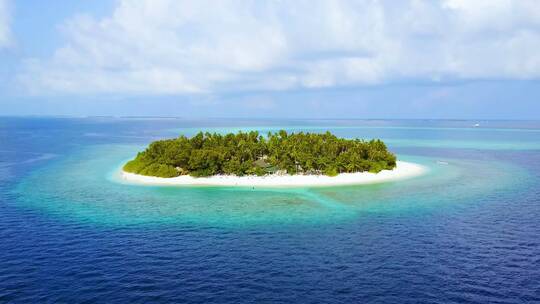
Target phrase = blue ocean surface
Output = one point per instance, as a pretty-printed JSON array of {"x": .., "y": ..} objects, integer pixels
[{"x": 468, "y": 231}]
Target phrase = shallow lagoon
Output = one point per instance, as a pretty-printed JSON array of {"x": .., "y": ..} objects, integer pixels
[
  {"x": 87, "y": 185},
  {"x": 464, "y": 232}
]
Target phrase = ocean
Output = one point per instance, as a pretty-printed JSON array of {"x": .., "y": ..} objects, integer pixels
[{"x": 465, "y": 232}]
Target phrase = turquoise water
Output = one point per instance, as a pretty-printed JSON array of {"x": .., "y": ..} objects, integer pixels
[
  {"x": 86, "y": 185},
  {"x": 466, "y": 231}
]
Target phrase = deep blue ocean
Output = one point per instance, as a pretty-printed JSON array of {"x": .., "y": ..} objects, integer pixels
[{"x": 71, "y": 231}]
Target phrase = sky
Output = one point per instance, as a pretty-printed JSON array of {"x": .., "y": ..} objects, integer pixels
[{"x": 448, "y": 59}]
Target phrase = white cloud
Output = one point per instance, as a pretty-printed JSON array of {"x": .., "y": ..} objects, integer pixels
[
  {"x": 5, "y": 19},
  {"x": 171, "y": 47}
]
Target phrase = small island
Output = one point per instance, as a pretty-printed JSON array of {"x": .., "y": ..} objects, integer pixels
[{"x": 277, "y": 159}]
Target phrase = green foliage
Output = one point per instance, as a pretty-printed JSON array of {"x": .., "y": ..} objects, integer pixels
[
  {"x": 135, "y": 165},
  {"x": 330, "y": 171},
  {"x": 159, "y": 170},
  {"x": 242, "y": 153}
]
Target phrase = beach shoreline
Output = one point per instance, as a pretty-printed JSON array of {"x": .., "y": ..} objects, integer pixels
[{"x": 403, "y": 170}]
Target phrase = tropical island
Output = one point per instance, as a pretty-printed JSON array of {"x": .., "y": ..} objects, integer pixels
[
  {"x": 207, "y": 154},
  {"x": 280, "y": 158}
]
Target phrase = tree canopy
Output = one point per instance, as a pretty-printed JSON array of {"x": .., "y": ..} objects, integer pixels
[{"x": 249, "y": 153}]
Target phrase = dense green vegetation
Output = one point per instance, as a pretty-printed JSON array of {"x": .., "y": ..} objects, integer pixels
[{"x": 250, "y": 153}]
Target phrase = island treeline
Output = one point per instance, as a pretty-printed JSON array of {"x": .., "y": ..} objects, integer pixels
[{"x": 249, "y": 153}]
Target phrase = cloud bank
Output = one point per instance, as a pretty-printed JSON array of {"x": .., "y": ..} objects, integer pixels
[
  {"x": 186, "y": 47},
  {"x": 5, "y": 19}
]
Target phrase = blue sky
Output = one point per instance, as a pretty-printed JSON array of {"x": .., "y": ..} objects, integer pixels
[{"x": 308, "y": 59}]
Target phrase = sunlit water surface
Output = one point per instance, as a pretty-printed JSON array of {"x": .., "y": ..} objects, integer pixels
[{"x": 466, "y": 231}]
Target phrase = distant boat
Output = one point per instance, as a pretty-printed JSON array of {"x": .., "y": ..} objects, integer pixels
[
  {"x": 476, "y": 125},
  {"x": 440, "y": 162}
]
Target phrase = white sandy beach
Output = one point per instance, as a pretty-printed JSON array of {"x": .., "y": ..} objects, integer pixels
[{"x": 403, "y": 170}]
